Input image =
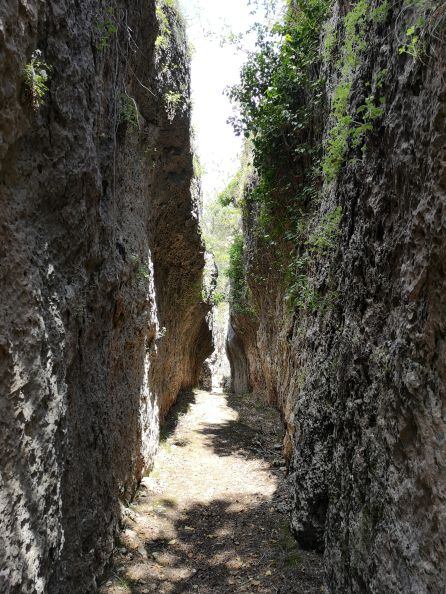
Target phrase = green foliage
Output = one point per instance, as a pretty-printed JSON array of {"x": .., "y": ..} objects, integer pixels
[
  {"x": 141, "y": 269},
  {"x": 106, "y": 28},
  {"x": 218, "y": 298},
  {"x": 143, "y": 272},
  {"x": 280, "y": 92},
  {"x": 337, "y": 143},
  {"x": 236, "y": 273},
  {"x": 380, "y": 12},
  {"x": 221, "y": 222},
  {"x": 415, "y": 42},
  {"x": 221, "y": 228},
  {"x": 198, "y": 167},
  {"x": 355, "y": 23},
  {"x": 320, "y": 243},
  {"x": 165, "y": 32},
  {"x": 173, "y": 100},
  {"x": 369, "y": 112},
  {"x": 412, "y": 44},
  {"x": 129, "y": 111},
  {"x": 232, "y": 195},
  {"x": 276, "y": 100},
  {"x": 280, "y": 100},
  {"x": 36, "y": 75},
  {"x": 323, "y": 238},
  {"x": 302, "y": 295},
  {"x": 330, "y": 40},
  {"x": 349, "y": 129},
  {"x": 162, "y": 40}
]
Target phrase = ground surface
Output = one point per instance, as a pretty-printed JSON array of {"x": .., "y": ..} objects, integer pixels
[{"x": 212, "y": 515}]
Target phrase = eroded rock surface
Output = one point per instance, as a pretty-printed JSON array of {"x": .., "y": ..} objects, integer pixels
[
  {"x": 101, "y": 269},
  {"x": 360, "y": 376},
  {"x": 241, "y": 348}
]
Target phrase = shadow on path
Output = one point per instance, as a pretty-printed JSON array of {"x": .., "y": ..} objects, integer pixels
[
  {"x": 208, "y": 520},
  {"x": 181, "y": 407}
]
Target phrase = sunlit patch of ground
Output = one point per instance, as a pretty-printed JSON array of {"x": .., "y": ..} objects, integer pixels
[{"x": 208, "y": 518}]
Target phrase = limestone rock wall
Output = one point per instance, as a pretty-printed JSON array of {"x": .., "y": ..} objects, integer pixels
[
  {"x": 361, "y": 381},
  {"x": 242, "y": 352},
  {"x": 92, "y": 175}
]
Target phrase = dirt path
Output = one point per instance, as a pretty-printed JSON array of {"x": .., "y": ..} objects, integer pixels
[{"x": 211, "y": 517}]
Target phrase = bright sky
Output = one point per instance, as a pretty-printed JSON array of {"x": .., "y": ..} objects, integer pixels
[{"x": 214, "y": 67}]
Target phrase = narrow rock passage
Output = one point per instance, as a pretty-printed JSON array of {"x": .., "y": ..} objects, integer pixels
[{"x": 211, "y": 516}]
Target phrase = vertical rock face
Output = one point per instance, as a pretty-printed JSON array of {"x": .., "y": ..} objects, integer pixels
[
  {"x": 241, "y": 348},
  {"x": 357, "y": 363},
  {"x": 240, "y": 380},
  {"x": 101, "y": 267}
]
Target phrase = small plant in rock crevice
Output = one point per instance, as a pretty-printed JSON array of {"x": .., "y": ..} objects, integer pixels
[
  {"x": 411, "y": 46},
  {"x": 218, "y": 297},
  {"x": 129, "y": 111},
  {"x": 323, "y": 238},
  {"x": 320, "y": 243},
  {"x": 37, "y": 73},
  {"x": 173, "y": 101},
  {"x": 106, "y": 28},
  {"x": 141, "y": 269}
]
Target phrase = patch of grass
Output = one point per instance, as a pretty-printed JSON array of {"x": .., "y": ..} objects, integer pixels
[
  {"x": 123, "y": 583},
  {"x": 160, "y": 504},
  {"x": 169, "y": 502}
]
